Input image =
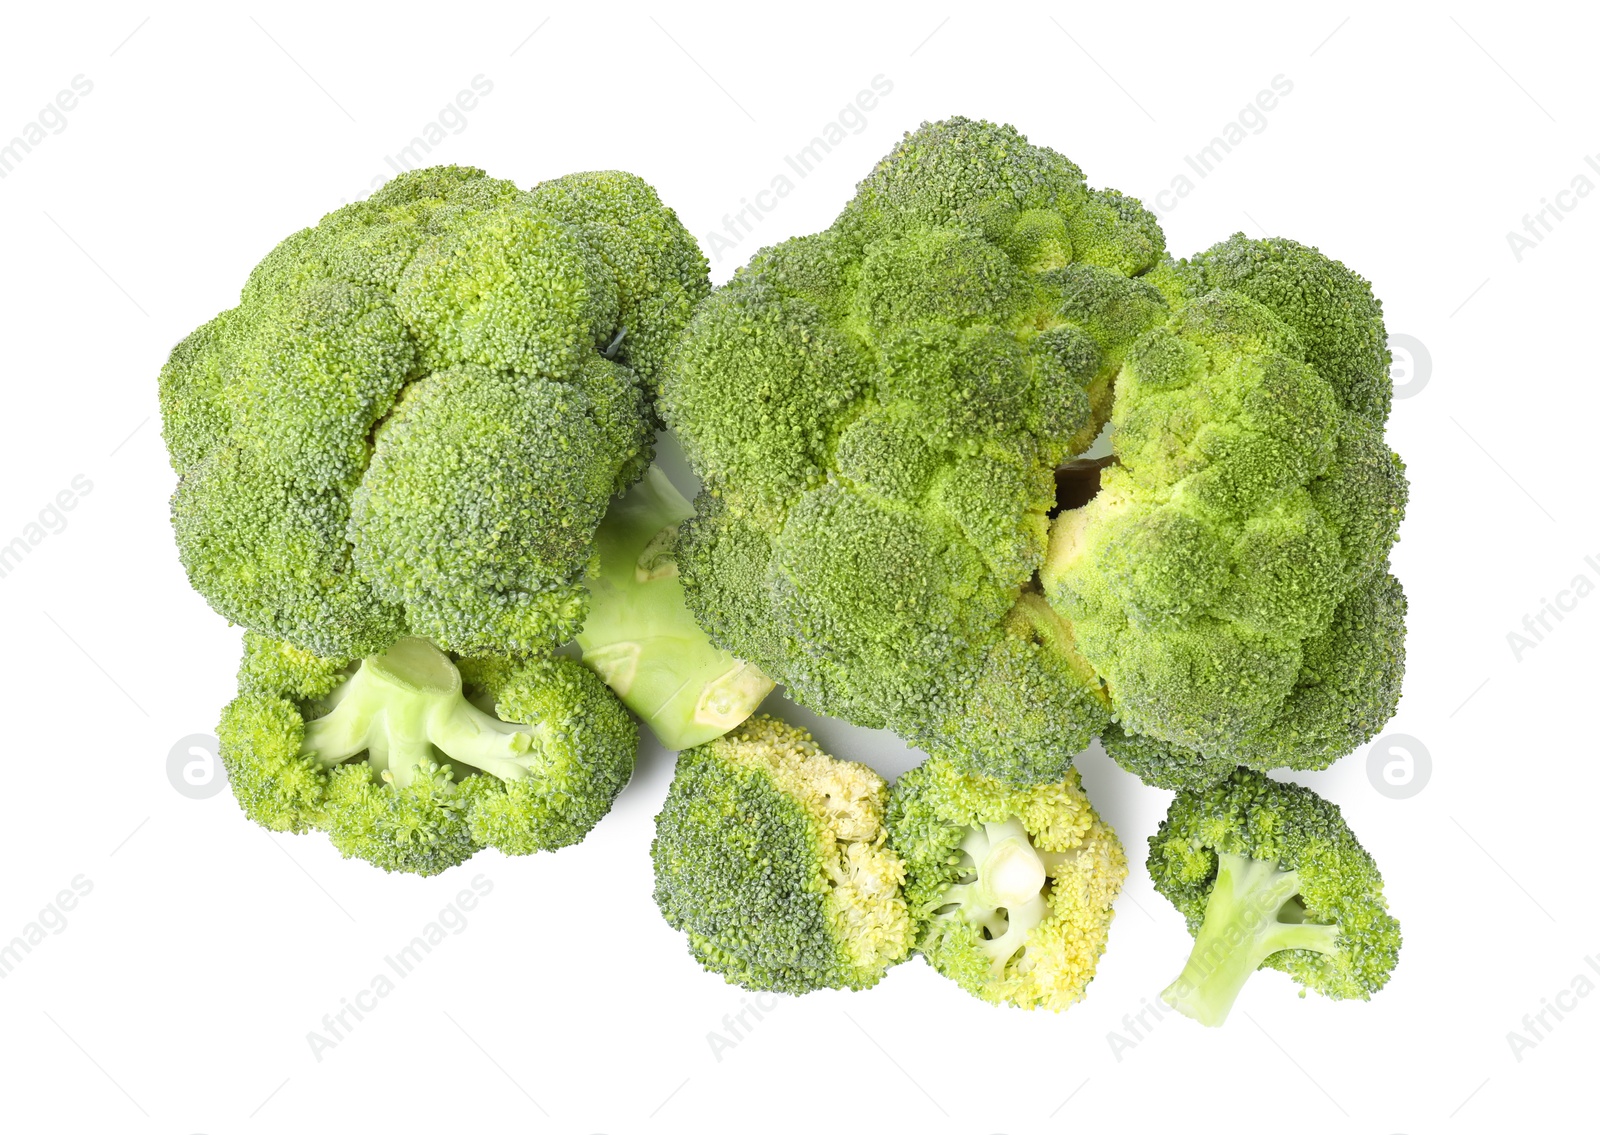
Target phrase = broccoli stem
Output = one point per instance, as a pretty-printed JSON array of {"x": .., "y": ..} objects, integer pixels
[
  {"x": 403, "y": 708},
  {"x": 1006, "y": 895},
  {"x": 639, "y": 635},
  {"x": 1251, "y": 914}
]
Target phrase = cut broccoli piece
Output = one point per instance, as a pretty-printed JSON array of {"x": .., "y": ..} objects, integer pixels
[
  {"x": 1270, "y": 875},
  {"x": 413, "y": 761},
  {"x": 770, "y": 855},
  {"x": 1011, "y": 888}
]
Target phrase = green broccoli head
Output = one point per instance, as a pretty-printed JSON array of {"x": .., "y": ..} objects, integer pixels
[
  {"x": 1269, "y": 875},
  {"x": 770, "y": 856},
  {"x": 1229, "y": 583},
  {"x": 414, "y": 761},
  {"x": 413, "y": 420},
  {"x": 1011, "y": 888},
  {"x": 877, "y": 412}
]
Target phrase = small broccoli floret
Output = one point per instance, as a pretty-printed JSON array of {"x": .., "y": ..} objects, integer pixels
[
  {"x": 640, "y": 637},
  {"x": 413, "y": 762},
  {"x": 1011, "y": 888},
  {"x": 877, "y": 412},
  {"x": 413, "y": 419},
  {"x": 770, "y": 855},
  {"x": 1270, "y": 875}
]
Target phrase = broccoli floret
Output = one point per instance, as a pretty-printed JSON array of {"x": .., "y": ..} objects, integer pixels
[
  {"x": 1011, "y": 888},
  {"x": 639, "y": 635},
  {"x": 877, "y": 412},
  {"x": 770, "y": 856},
  {"x": 1229, "y": 582},
  {"x": 414, "y": 761},
  {"x": 412, "y": 421},
  {"x": 1270, "y": 875}
]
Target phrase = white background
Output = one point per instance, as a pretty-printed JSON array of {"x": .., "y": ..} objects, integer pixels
[{"x": 180, "y": 992}]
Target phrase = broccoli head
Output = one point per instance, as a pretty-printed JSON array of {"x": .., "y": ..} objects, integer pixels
[
  {"x": 1269, "y": 875},
  {"x": 770, "y": 855},
  {"x": 414, "y": 418},
  {"x": 1011, "y": 888},
  {"x": 1229, "y": 582},
  {"x": 877, "y": 412},
  {"x": 413, "y": 761}
]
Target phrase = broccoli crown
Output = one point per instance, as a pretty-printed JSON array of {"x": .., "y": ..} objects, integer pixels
[
  {"x": 414, "y": 761},
  {"x": 1011, "y": 888},
  {"x": 414, "y": 418},
  {"x": 1230, "y": 583},
  {"x": 1269, "y": 874},
  {"x": 770, "y": 856},
  {"x": 877, "y": 411}
]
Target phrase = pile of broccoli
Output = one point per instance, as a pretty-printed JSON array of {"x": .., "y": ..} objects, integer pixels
[{"x": 981, "y": 463}]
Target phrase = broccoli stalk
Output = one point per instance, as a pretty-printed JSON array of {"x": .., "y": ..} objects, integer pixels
[
  {"x": 402, "y": 705},
  {"x": 639, "y": 635},
  {"x": 1253, "y": 913}
]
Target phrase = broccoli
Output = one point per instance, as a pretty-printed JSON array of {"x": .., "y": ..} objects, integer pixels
[
  {"x": 770, "y": 855},
  {"x": 1269, "y": 874},
  {"x": 415, "y": 417},
  {"x": 1160, "y": 763},
  {"x": 877, "y": 412},
  {"x": 1011, "y": 888},
  {"x": 414, "y": 761},
  {"x": 639, "y": 635},
  {"x": 1229, "y": 582}
]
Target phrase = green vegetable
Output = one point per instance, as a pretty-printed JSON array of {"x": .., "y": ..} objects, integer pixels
[
  {"x": 640, "y": 637},
  {"x": 1270, "y": 875},
  {"x": 414, "y": 761},
  {"x": 1229, "y": 583},
  {"x": 770, "y": 856},
  {"x": 877, "y": 412},
  {"x": 414, "y": 419},
  {"x": 1011, "y": 888},
  {"x": 1160, "y": 763}
]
